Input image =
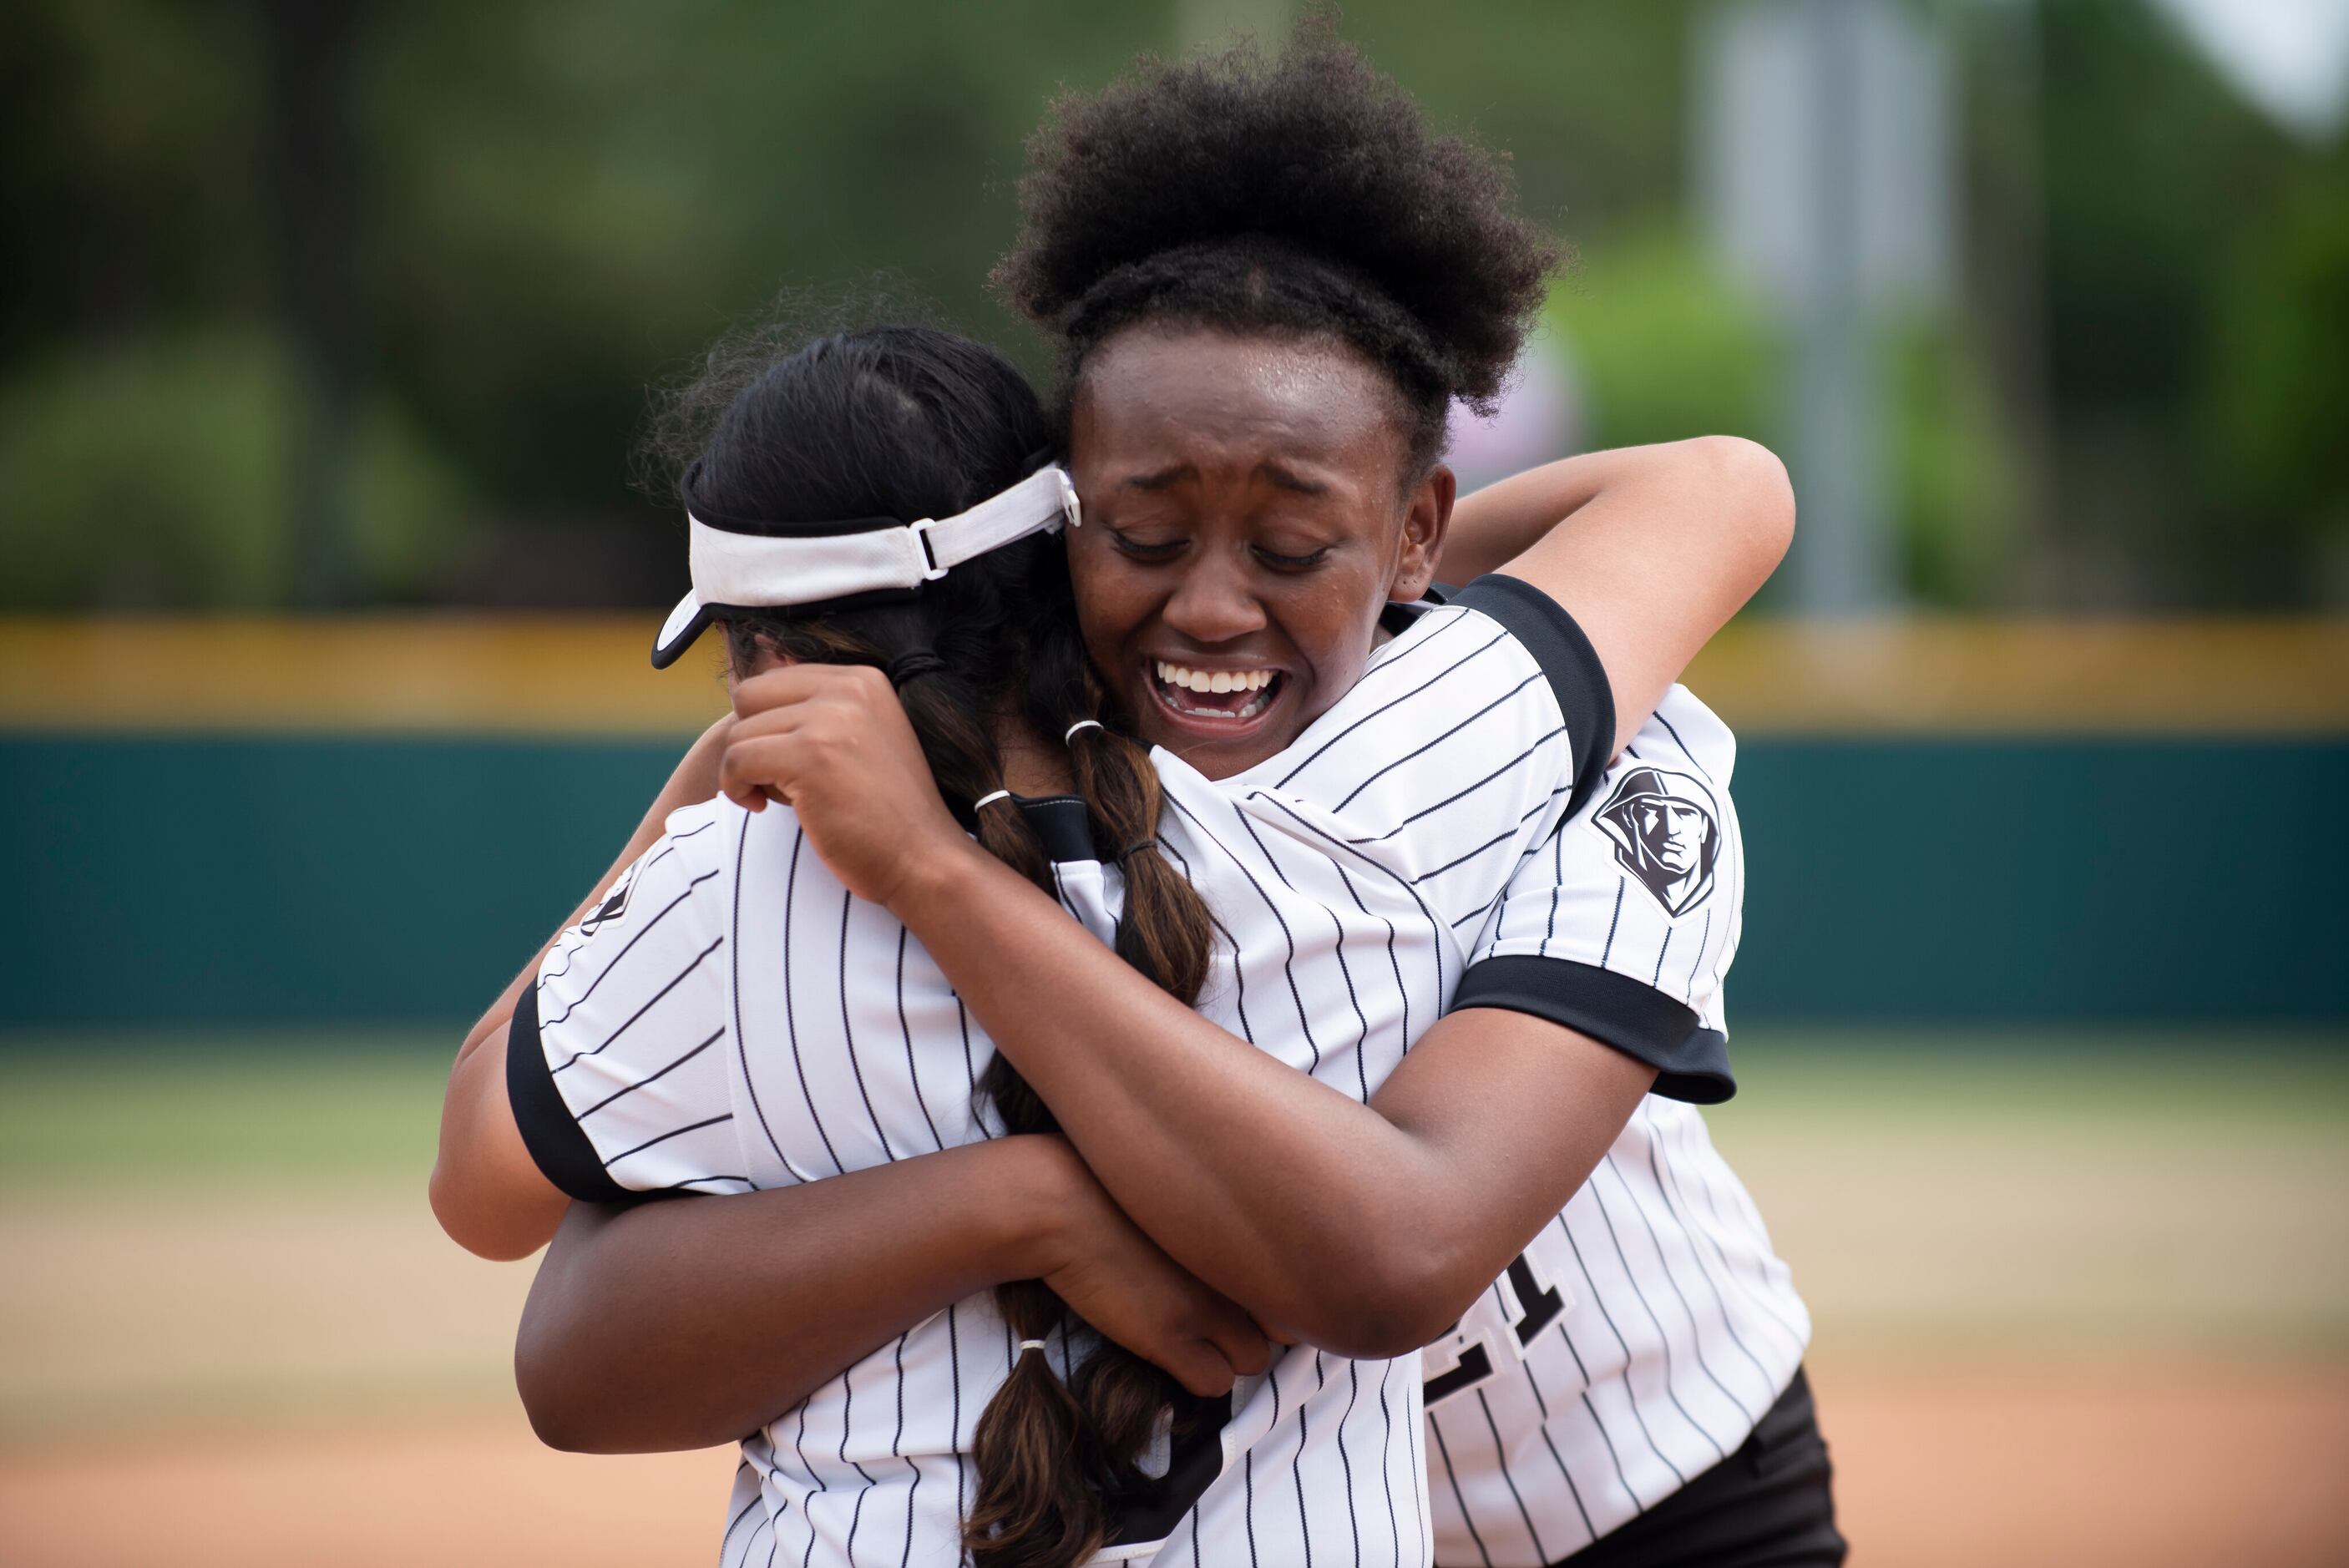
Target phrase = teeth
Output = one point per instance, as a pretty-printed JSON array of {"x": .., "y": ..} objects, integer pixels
[{"x": 1213, "y": 681}]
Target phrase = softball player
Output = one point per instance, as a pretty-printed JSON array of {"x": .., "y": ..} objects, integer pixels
[
  {"x": 663, "y": 1070},
  {"x": 1245, "y": 1505},
  {"x": 742, "y": 1021}
]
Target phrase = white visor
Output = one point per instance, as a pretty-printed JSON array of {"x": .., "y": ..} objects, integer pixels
[{"x": 733, "y": 571}]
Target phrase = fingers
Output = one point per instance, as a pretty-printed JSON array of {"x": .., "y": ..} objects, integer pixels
[
  {"x": 778, "y": 687},
  {"x": 1244, "y": 1346},
  {"x": 1201, "y": 1367},
  {"x": 794, "y": 683},
  {"x": 759, "y": 766}
]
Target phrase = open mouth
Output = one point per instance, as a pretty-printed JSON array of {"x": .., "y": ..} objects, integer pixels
[{"x": 1231, "y": 695}]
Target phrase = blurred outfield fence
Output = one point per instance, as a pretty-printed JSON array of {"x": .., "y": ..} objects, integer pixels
[{"x": 368, "y": 821}]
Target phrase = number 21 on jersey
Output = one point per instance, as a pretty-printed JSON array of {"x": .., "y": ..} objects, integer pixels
[{"x": 1504, "y": 1320}]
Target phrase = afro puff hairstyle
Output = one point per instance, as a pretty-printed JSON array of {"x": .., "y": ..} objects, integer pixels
[{"x": 1305, "y": 198}]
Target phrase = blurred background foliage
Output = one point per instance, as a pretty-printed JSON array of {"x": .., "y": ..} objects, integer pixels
[{"x": 345, "y": 304}]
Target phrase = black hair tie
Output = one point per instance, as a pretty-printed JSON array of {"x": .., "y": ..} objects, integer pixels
[
  {"x": 914, "y": 665},
  {"x": 1132, "y": 850}
]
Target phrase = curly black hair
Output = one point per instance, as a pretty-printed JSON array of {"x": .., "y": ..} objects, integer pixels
[{"x": 1307, "y": 196}]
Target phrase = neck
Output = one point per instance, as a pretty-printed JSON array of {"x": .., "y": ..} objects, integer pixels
[{"x": 1032, "y": 764}]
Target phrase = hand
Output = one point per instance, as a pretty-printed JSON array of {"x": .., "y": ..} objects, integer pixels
[
  {"x": 695, "y": 779},
  {"x": 1117, "y": 1279},
  {"x": 832, "y": 742}
]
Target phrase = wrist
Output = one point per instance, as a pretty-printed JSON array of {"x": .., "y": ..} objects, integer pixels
[
  {"x": 1043, "y": 1204},
  {"x": 939, "y": 880}
]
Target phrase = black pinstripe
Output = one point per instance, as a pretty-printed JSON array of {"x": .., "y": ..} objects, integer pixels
[
  {"x": 1444, "y": 1452},
  {"x": 1599, "y": 1197},
  {"x": 655, "y": 1001},
  {"x": 653, "y": 1077},
  {"x": 1501, "y": 1457},
  {"x": 790, "y": 1020},
  {"x": 1664, "y": 1262},
  {"x": 1630, "y": 1392},
  {"x": 848, "y": 1030},
  {"x": 1728, "y": 1319},
  {"x": 635, "y": 937},
  {"x": 734, "y": 998},
  {"x": 1418, "y": 648}
]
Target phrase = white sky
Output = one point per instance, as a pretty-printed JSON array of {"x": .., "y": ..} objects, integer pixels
[{"x": 2289, "y": 57}]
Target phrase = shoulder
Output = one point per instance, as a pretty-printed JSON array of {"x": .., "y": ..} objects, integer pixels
[{"x": 1684, "y": 730}]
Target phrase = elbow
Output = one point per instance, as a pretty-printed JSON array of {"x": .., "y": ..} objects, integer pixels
[
  {"x": 465, "y": 1223},
  {"x": 1757, "y": 499},
  {"x": 549, "y": 1398},
  {"x": 1392, "y": 1304},
  {"x": 546, "y": 1362}
]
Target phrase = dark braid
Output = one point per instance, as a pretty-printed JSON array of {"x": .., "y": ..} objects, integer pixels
[
  {"x": 914, "y": 422},
  {"x": 1044, "y": 1501}
]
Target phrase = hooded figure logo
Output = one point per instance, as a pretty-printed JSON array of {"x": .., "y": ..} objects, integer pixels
[{"x": 1667, "y": 833}]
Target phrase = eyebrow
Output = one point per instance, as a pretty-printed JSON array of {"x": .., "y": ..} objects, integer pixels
[
  {"x": 1278, "y": 474},
  {"x": 1290, "y": 480},
  {"x": 1161, "y": 479}
]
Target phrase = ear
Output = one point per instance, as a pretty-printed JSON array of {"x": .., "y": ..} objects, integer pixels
[{"x": 1427, "y": 518}]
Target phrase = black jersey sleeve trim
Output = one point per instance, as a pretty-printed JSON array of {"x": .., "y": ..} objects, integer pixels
[
  {"x": 1691, "y": 1062},
  {"x": 1575, "y": 676},
  {"x": 564, "y": 1154}
]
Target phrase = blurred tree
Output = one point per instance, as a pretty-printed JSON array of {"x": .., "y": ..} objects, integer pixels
[
  {"x": 316, "y": 207},
  {"x": 541, "y": 206},
  {"x": 2277, "y": 400},
  {"x": 2163, "y": 192}
]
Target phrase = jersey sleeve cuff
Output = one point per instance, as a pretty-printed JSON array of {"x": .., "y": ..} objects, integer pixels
[
  {"x": 564, "y": 1152},
  {"x": 1544, "y": 629},
  {"x": 1691, "y": 1062}
]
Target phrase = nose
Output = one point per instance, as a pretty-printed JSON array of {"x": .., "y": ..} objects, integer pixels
[{"x": 1213, "y": 602}]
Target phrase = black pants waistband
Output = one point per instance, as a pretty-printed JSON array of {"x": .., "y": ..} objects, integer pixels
[{"x": 1771, "y": 1504}]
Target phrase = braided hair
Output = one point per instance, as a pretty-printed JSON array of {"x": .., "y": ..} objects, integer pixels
[{"x": 1303, "y": 198}]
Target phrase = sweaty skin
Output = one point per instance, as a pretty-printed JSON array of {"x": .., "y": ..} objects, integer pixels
[{"x": 1243, "y": 515}]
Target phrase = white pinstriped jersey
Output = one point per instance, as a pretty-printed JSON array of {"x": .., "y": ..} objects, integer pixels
[
  {"x": 732, "y": 1019},
  {"x": 1639, "y": 1339}
]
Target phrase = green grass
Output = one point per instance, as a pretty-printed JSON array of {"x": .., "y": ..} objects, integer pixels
[
  {"x": 215, "y": 1109},
  {"x": 206, "y": 1111},
  {"x": 1982, "y": 1199},
  {"x": 2137, "y": 1079}
]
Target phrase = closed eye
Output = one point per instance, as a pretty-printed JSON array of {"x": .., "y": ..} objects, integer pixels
[
  {"x": 1142, "y": 549},
  {"x": 1273, "y": 558}
]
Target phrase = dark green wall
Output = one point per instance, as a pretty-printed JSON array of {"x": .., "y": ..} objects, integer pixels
[{"x": 218, "y": 881}]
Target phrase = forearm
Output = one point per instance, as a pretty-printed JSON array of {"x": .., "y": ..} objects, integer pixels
[
  {"x": 1257, "y": 1177},
  {"x": 1492, "y": 526},
  {"x": 482, "y": 1187},
  {"x": 686, "y": 1323},
  {"x": 1651, "y": 549}
]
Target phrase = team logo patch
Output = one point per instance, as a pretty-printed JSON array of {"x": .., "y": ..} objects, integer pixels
[
  {"x": 611, "y": 909},
  {"x": 1667, "y": 833}
]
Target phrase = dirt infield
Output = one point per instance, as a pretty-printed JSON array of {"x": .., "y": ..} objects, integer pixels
[
  {"x": 2210, "y": 1465},
  {"x": 2067, "y": 1318}
]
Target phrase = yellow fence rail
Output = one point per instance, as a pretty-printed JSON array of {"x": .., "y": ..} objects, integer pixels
[{"x": 578, "y": 675}]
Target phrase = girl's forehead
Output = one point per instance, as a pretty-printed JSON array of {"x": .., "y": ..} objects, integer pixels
[{"x": 1202, "y": 389}]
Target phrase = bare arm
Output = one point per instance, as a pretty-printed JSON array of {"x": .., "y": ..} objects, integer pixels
[
  {"x": 1658, "y": 547},
  {"x": 486, "y": 1191},
  {"x": 1259, "y": 1178},
  {"x": 682, "y": 1324}
]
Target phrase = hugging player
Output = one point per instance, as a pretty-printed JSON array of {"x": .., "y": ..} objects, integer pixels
[{"x": 1235, "y": 392}]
